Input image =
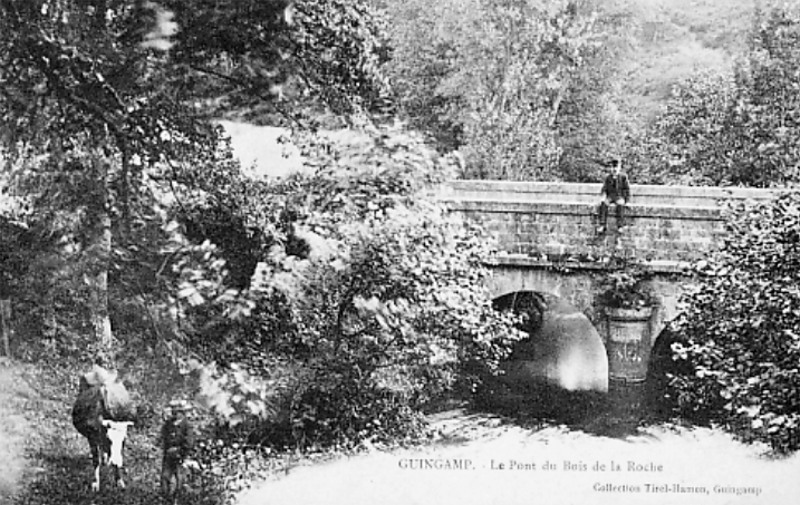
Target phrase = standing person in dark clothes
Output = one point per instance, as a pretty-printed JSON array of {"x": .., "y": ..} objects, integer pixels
[
  {"x": 616, "y": 191},
  {"x": 177, "y": 441}
]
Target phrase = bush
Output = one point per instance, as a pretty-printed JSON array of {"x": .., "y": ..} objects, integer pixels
[
  {"x": 384, "y": 322},
  {"x": 738, "y": 128},
  {"x": 740, "y": 329},
  {"x": 627, "y": 288},
  {"x": 381, "y": 311}
]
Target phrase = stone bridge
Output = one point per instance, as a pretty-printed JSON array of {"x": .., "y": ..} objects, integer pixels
[{"x": 547, "y": 240}]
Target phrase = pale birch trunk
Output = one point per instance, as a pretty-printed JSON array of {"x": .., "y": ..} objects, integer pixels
[{"x": 101, "y": 251}]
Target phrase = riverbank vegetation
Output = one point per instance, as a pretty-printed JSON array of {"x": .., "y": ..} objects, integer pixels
[{"x": 739, "y": 332}]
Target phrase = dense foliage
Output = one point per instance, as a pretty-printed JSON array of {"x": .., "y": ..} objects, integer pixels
[
  {"x": 626, "y": 287},
  {"x": 279, "y": 60},
  {"x": 739, "y": 128},
  {"x": 377, "y": 314},
  {"x": 501, "y": 80},
  {"x": 562, "y": 95},
  {"x": 104, "y": 103},
  {"x": 740, "y": 330},
  {"x": 88, "y": 109}
]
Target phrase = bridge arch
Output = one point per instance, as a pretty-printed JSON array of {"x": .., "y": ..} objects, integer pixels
[
  {"x": 571, "y": 292},
  {"x": 514, "y": 277},
  {"x": 563, "y": 349}
]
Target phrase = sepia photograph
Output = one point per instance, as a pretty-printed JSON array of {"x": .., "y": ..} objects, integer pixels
[{"x": 402, "y": 252}]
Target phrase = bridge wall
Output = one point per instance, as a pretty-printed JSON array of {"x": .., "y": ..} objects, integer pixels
[
  {"x": 547, "y": 236},
  {"x": 546, "y": 220}
]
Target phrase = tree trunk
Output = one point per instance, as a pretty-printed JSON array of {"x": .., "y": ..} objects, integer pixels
[
  {"x": 99, "y": 299},
  {"x": 5, "y": 326},
  {"x": 556, "y": 106},
  {"x": 100, "y": 252}
]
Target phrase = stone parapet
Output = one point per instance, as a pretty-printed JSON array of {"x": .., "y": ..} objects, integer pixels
[
  {"x": 543, "y": 220},
  {"x": 653, "y": 195}
]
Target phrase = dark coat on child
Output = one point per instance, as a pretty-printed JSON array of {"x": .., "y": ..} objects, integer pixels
[
  {"x": 617, "y": 186},
  {"x": 177, "y": 443}
]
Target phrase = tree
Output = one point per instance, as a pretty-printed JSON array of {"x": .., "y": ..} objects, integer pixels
[
  {"x": 598, "y": 119},
  {"x": 87, "y": 108},
  {"x": 276, "y": 60},
  {"x": 497, "y": 78},
  {"x": 692, "y": 132},
  {"x": 102, "y": 103},
  {"x": 739, "y": 331},
  {"x": 739, "y": 129}
]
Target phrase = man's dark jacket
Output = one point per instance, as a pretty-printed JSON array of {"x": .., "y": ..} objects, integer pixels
[{"x": 616, "y": 187}]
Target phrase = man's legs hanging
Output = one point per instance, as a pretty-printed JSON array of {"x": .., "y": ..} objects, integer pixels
[
  {"x": 620, "y": 211},
  {"x": 602, "y": 216}
]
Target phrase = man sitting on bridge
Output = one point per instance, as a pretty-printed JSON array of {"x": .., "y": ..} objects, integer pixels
[{"x": 616, "y": 191}]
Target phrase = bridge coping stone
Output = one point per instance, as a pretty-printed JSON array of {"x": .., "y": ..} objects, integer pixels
[
  {"x": 652, "y": 195},
  {"x": 593, "y": 189}
]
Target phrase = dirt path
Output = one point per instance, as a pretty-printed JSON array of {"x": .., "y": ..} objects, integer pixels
[
  {"x": 481, "y": 460},
  {"x": 15, "y": 428}
]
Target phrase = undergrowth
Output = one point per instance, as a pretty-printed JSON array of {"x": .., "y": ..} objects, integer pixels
[{"x": 59, "y": 462}]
